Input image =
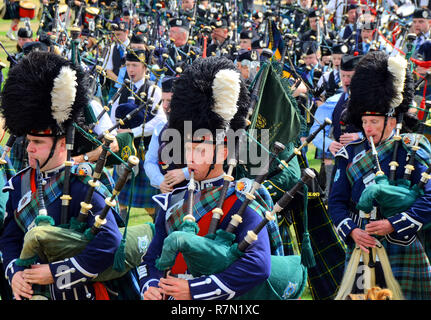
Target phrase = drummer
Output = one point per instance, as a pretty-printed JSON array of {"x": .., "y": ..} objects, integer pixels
[{"x": 89, "y": 18}]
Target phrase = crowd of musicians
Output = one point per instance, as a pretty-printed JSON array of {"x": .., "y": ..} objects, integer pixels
[{"x": 95, "y": 87}]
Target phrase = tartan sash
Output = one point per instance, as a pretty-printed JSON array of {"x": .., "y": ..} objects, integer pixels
[
  {"x": 359, "y": 168},
  {"x": 206, "y": 200},
  {"x": 52, "y": 190}
]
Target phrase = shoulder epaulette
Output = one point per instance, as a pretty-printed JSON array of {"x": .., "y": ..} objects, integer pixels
[
  {"x": 9, "y": 185},
  {"x": 343, "y": 151}
]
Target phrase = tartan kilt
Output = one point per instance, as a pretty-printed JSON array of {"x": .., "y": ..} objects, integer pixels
[
  {"x": 328, "y": 249},
  {"x": 12, "y": 10},
  {"x": 319, "y": 153},
  {"x": 410, "y": 266},
  {"x": 142, "y": 190}
]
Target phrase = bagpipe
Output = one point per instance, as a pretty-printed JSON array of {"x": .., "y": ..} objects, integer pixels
[
  {"x": 48, "y": 243},
  {"x": 214, "y": 252},
  {"x": 395, "y": 195},
  {"x": 389, "y": 195},
  {"x": 325, "y": 276},
  {"x": 383, "y": 193}
]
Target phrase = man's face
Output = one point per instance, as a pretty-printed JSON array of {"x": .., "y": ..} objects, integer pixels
[
  {"x": 136, "y": 70},
  {"x": 178, "y": 35},
  {"x": 366, "y": 35},
  {"x": 187, "y": 4},
  {"x": 22, "y": 41},
  {"x": 305, "y": 4},
  {"x": 121, "y": 35},
  {"x": 244, "y": 70},
  {"x": 351, "y": 16},
  {"x": 420, "y": 25},
  {"x": 326, "y": 60},
  {"x": 336, "y": 59},
  {"x": 166, "y": 98},
  {"x": 199, "y": 157},
  {"x": 245, "y": 44},
  {"x": 311, "y": 59},
  {"x": 219, "y": 34},
  {"x": 313, "y": 23},
  {"x": 373, "y": 127},
  {"x": 127, "y": 19},
  {"x": 39, "y": 148},
  {"x": 346, "y": 78}
]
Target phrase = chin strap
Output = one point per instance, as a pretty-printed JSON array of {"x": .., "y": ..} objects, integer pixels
[
  {"x": 211, "y": 167},
  {"x": 383, "y": 131},
  {"x": 51, "y": 153}
]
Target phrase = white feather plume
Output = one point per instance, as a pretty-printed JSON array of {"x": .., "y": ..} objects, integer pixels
[
  {"x": 63, "y": 94},
  {"x": 397, "y": 66},
  {"x": 226, "y": 88}
]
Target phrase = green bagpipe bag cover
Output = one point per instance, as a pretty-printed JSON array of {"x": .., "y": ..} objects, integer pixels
[
  {"x": 287, "y": 280},
  {"x": 212, "y": 254},
  {"x": 205, "y": 255},
  {"x": 391, "y": 198},
  {"x": 51, "y": 243}
]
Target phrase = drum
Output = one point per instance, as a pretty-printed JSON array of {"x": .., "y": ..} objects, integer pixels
[
  {"x": 406, "y": 10},
  {"x": 27, "y": 9},
  {"x": 62, "y": 8},
  {"x": 90, "y": 14}
]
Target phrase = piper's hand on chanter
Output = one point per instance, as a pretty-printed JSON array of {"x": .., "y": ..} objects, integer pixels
[
  {"x": 362, "y": 239},
  {"x": 20, "y": 288},
  {"x": 334, "y": 147}
]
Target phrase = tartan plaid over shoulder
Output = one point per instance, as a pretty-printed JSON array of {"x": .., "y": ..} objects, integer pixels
[
  {"x": 357, "y": 169},
  {"x": 53, "y": 189},
  {"x": 206, "y": 200}
]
